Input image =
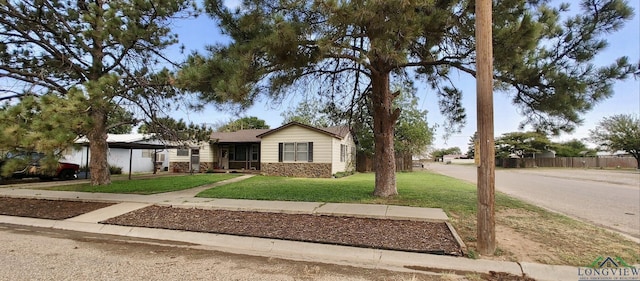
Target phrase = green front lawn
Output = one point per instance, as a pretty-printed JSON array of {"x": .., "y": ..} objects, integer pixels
[
  {"x": 150, "y": 185},
  {"x": 417, "y": 189},
  {"x": 558, "y": 239}
]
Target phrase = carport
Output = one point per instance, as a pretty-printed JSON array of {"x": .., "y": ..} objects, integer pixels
[{"x": 130, "y": 145}]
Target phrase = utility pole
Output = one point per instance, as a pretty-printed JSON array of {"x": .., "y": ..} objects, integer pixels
[{"x": 484, "y": 94}]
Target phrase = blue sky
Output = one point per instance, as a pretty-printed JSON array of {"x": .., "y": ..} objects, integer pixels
[{"x": 197, "y": 33}]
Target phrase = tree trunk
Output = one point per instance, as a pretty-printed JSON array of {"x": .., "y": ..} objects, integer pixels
[
  {"x": 98, "y": 164},
  {"x": 99, "y": 167},
  {"x": 384, "y": 120}
]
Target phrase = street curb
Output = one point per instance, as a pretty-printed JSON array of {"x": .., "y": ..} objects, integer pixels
[{"x": 461, "y": 244}]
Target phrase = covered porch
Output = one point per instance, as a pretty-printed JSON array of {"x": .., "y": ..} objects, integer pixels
[
  {"x": 238, "y": 156},
  {"x": 237, "y": 151}
]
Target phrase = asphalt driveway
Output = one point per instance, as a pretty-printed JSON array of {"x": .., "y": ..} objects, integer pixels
[{"x": 608, "y": 198}]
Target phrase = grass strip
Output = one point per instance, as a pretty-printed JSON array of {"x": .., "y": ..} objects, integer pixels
[{"x": 149, "y": 185}]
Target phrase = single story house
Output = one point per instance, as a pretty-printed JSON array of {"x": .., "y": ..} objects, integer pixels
[
  {"x": 131, "y": 152},
  {"x": 294, "y": 150}
]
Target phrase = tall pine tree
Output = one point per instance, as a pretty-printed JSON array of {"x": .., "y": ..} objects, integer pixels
[
  {"x": 348, "y": 49},
  {"x": 92, "y": 58}
]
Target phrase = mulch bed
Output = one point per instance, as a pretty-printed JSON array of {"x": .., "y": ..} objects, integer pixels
[
  {"x": 47, "y": 209},
  {"x": 424, "y": 237}
]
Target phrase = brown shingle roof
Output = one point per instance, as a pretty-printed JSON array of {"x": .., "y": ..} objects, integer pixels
[
  {"x": 336, "y": 131},
  {"x": 254, "y": 135},
  {"x": 341, "y": 131},
  {"x": 238, "y": 136}
]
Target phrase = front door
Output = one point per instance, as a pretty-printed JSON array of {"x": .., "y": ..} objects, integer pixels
[
  {"x": 195, "y": 160},
  {"x": 224, "y": 158}
]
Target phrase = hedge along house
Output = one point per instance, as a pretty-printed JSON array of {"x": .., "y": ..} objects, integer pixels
[{"x": 299, "y": 150}]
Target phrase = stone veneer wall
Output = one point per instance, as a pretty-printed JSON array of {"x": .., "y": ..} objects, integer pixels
[
  {"x": 302, "y": 170},
  {"x": 183, "y": 167},
  {"x": 206, "y": 166},
  {"x": 179, "y": 167}
]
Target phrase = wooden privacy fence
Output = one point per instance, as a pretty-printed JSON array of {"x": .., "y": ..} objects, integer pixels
[
  {"x": 364, "y": 163},
  {"x": 569, "y": 162}
]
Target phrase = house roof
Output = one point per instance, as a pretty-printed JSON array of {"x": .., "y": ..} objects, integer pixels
[
  {"x": 129, "y": 141},
  {"x": 338, "y": 132},
  {"x": 255, "y": 135},
  {"x": 249, "y": 135}
]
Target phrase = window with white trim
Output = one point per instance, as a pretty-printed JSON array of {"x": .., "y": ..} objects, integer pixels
[
  {"x": 295, "y": 152},
  {"x": 182, "y": 152},
  {"x": 302, "y": 151}
]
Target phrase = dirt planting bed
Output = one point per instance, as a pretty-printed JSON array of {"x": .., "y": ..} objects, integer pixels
[
  {"x": 47, "y": 209},
  {"x": 425, "y": 237}
]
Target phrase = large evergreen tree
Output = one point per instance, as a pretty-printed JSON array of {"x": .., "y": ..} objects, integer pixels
[
  {"x": 350, "y": 49},
  {"x": 100, "y": 56}
]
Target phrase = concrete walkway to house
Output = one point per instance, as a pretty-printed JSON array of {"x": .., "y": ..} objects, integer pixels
[{"x": 293, "y": 250}]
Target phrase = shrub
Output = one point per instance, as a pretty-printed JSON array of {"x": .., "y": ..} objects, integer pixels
[
  {"x": 343, "y": 174},
  {"x": 115, "y": 170}
]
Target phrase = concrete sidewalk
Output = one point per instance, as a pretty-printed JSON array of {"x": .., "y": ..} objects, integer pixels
[{"x": 343, "y": 255}]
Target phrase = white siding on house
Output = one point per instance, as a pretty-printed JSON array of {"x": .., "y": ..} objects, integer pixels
[
  {"x": 326, "y": 149},
  {"x": 173, "y": 156},
  {"x": 120, "y": 158},
  {"x": 141, "y": 159},
  {"x": 322, "y": 144},
  {"x": 348, "y": 163},
  {"x": 207, "y": 154}
]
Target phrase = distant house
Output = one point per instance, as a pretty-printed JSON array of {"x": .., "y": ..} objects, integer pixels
[
  {"x": 294, "y": 149},
  {"x": 131, "y": 152},
  {"x": 543, "y": 154},
  {"x": 450, "y": 157},
  {"x": 608, "y": 154}
]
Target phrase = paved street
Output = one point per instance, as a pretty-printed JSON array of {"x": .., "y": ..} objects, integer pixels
[{"x": 609, "y": 198}]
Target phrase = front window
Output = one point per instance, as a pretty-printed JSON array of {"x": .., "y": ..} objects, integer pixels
[
  {"x": 302, "y": 151},
  {"x": 289, "y": 152},
  {"x": 296, "y": 152}
]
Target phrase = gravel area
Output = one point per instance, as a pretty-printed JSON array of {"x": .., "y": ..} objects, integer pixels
[{"x": 425, "y": 237}]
